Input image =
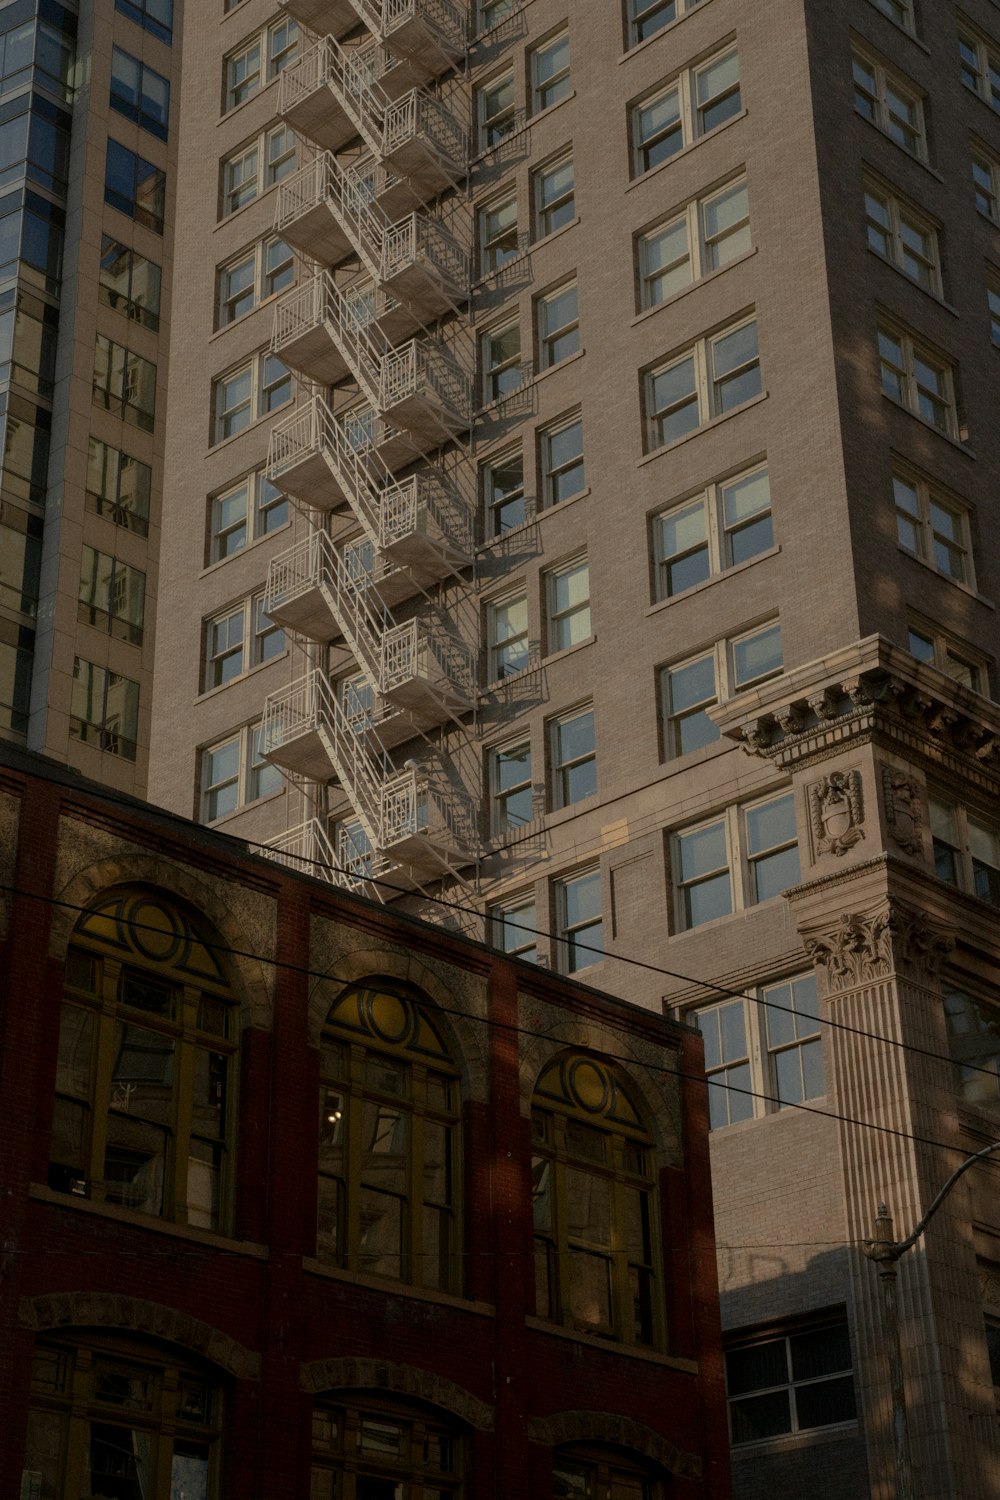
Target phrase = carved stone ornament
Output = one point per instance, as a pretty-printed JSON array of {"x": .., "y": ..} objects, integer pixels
[
  {"x": 901, "y": 795},
  {"x": 867, "y": 946},
  {"x": 836, "y": 811}
]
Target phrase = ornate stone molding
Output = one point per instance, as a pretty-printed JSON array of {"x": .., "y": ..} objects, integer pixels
[
  {"x": 603, "y": 1427},
  {"x": 402, "y": 1380},
  {"x": 871, "y": 686},
  {"x": 138, "y": 1315},
  {"x": 836, "y": 812},
  {"x": 901, "y": 796},
  {"x": 862, "y": 947}
]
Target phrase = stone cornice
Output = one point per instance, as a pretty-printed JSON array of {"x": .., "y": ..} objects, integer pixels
[{"x": 871, "y": 689}]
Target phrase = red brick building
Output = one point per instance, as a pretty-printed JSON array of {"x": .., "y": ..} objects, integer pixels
[{"x": 302, "y": 1197}]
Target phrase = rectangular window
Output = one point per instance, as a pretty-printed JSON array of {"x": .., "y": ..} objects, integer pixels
[
  {"x": 647, "y": 17},
  {"x": 567, "y": 594},
  {"x": 155, "y": 16},
  {"x": 890, "y": 102},
  {"x": 900, "y": 234},
  {"x": 507, "y": 636},
  {"x": 129, "y": 283},
  {"x": 249, "y": 393},
  {"x": 513, "y": 924},
  {"x": 104, "y": 710},
  {"x": 510, "y": 788},
  {"x": 932, "y": 527},
  {"x": 256, "y": 274},
  {"x": 986, "y": 183},
  {"x": 900, "y": 11},
  {"x": 234, "y": 773},
  {"x": 134, "y": 187},
  {"x": 492, "y": 12},
  {"x": 762, "y": 1054},
  {"x": 573, "y": 757},
  {"x": 550, "y": 76},
  {"x": 124, "y": 383},
  {"x": 729, "y": 523},
  {"x": 495, "y": 111},
  {"x": 503, "y": 494},
  {"x": 961, "y": 662},
  {"x": 704, "y": 237},
  {"x": 980, "y": 67},
  {"x": 240, "y": 638},
  {"x": 140, "y": 94},
  {"x": 501, "y": 361},
  {"x": 691, "y": 687},
  {"x": 993, "y": 308},
  {"x": 919, "y": 378},
  {"x": 747, "y": 855},
  {"x": 118, "y": 487},
  {"x": 555, "y": 205},
  {"x": 498, "y": 241},
  {"x": 974, "y": 1043},
  {"x": 697, "y": 101},
  {"x": 716, "y": 376},
  {"x": 579, "y": 923},
  {"x": 966, "y": 849},
  {"x": 562, "y": 461},
  {"x": 259, "y": 59},
  {"x": 243, "y": 513},
  {"x": 791, "y": 1383},
  {"x": 558, "y": 325},
  {"x": 112, "y": 596},
  {"x": 257, "y": 166}
]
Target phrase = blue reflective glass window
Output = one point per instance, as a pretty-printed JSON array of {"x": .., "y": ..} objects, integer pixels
[
  {"x": 155, "y": 16},
  {"x": 140, "y": 94}
]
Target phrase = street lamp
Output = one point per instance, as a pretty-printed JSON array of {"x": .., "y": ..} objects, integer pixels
[{"x": 886, "y": 1252}]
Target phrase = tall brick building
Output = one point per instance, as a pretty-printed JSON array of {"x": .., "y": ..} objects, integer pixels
[
  {"x": 583, "y": 508},
  {"x": 299, "y": 1196},
  {"x": 87, "y": 185}
]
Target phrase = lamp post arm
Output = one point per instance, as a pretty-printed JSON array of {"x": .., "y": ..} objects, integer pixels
[{"x": 911, "y": 1239}]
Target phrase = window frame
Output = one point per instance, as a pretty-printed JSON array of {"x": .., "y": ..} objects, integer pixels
[
  {"x": 905, "y": 375},
  {"x": 560, "y": 84},
  {"x": 267, "y": 374},
  {"x": 899, "y": 12},
  {"x": 556, "y": 616},
  {"x": 758, "y": 1092},
  {"x": 638, "y": 10},
  {"x": 554, "y": 470},
  {"x": 551, "y": 215},
  {"x": 876, "y": 89},
  {"x": 493, "y": 127},
  {"x": 257, "y": 290},
  {"x": 501, "y": 927},
  {"x": 566, "y": 936},
  {"x": 146, "y": 311},
  {"x": 246, "y": 637},
  {"x": 736, "y": 869},
  {"x": 565, "y": 763},
  {"x": 139, "y": 12},
  {"x": 124, "y": 584},
  {"x": 974, "y": 1063},
  {"x": 950, "y": 655},
  {"x": 726, "y": 682},
  {"x": 718, "y": 531},
  {"x": 134, "y": 205},
  {"x": 792, "y": 1383},
  {"x": 267, "y": 170},
  {"x": 986, "y": 182},
  {"x": 706, "y": 381},
  {"x": 497, "y": 499},
  {"x": 980, "y": 72},
  {"x": 105, "y": 732},
  {"x": 135, "y": 375},
  {"x": 900, "y": 216},
  {"x": 238, "y": 87},
  {"x": 509, "y": 782},
  {"x": 500, "y": 377},
  {"x": 699, "y": 244},
  {"x": 157, "y": 121},
  {"x": 498, "y": 648},
  {"x": 688, "y": 123},
  {"x": 497, "y": 249},
  {"x": 551, "y": 339},
  {"x": 256, "y": 524},
  {"x": 111, "y": 505},
  {"x": 252, "y": 778},
  {"x": 965, "y": 871},
  {"x": 920, "y": 520}
]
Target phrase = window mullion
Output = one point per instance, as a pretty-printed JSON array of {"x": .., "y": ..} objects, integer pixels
[
  {"x": 713, "y": 502},
  {"x": 761, "y": 1081},
  {"x": 685, "y": 90},
  {"x": 352, "y": 1167},
  {"x": 183, "y": 1107},
  {"x": 416, "y": 1271},
  {"x": 701, "y": 359},
  {"x": 620, "y": 1279},
  {"x": 103, "y": 1073},
  {"x": 739, "y": 873},
  {"x": 558, "y": 1277}
]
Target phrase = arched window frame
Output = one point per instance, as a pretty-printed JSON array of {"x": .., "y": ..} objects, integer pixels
[
  {"x": 413, "y": 1451},
  {"x": 387, "y": 1077},
  {"x": 597, "y": 1471},
  {"x": 145, "y": 988},
  {"x": 589, "y": 1140},
  {"x": 146, "y": 1419}
]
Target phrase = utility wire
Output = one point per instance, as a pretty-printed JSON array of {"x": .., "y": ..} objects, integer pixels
[{"x": 310, "y": 973}]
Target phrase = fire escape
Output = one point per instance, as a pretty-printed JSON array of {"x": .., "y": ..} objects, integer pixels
[{"x": 371, "y": 326}]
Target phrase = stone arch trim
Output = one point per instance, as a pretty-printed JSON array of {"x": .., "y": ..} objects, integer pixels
[
  {"x": 65, "y": 1310},
  {"x": 603, "y": 1427},
  {"x": 255, "y": 979},
  {"x": 401, "y": 1380},
  {"x": 468, "y": 1031},
  {"x": 546, "y": 1033}
]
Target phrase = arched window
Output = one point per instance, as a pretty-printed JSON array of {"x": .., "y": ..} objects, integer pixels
[
  {"x": 594, "y": 1203},
  {"x": 143, "y": 1114},
  {"x": 594, "y": 1471},
  {"x": 116, "y": 1418},
  {"x": 388, "y": 1140},
  {"x": 367, "y": 1448}
]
